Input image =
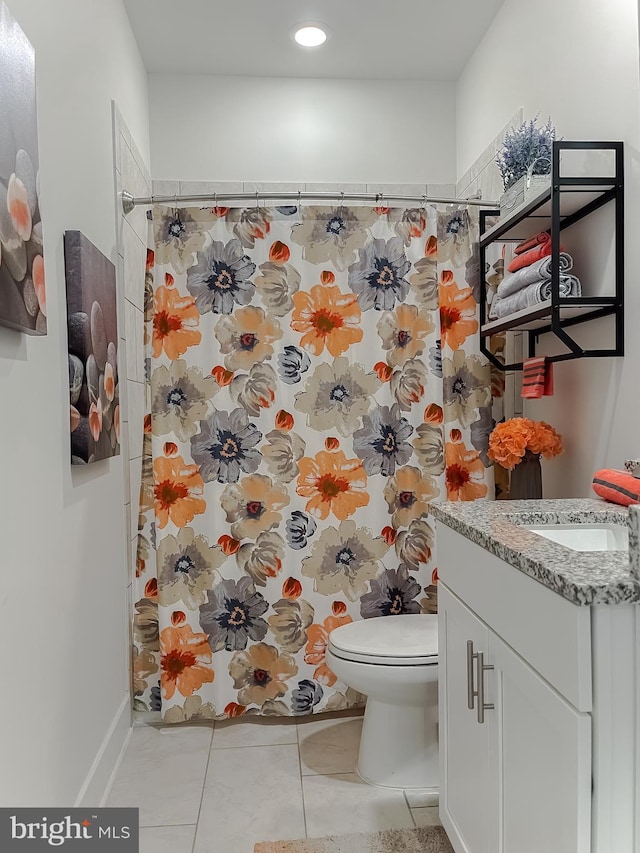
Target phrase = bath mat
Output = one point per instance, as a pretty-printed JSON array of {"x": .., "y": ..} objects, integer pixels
[{"x": 428, "y": 839}]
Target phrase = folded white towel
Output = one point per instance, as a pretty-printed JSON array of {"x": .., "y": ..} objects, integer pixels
[
  {"x": 529, "y": 296},
  {"x": 537, "y": 271}
]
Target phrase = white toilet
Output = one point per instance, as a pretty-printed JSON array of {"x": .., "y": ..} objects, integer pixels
[{"x": 393, "y": 660}]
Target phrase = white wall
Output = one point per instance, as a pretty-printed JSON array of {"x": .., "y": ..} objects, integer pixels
[
  {"x": 282, "y": 129},
  {"x": 582, "y": 69},
  {"x": 63, "y": 626}
]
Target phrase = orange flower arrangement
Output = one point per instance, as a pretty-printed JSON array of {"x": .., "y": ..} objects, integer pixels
[{"x": 510, "y": 440}]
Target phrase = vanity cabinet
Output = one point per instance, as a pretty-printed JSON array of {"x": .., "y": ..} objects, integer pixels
[
  {"x": 471, "y": 804},
  {"x": 531, "y": 756},
  {"x": 544, "y": 779},
  {"x": 521, "y": 779}
]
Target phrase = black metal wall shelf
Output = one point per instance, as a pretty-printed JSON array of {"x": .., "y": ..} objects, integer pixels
[{"x": 568, "y": 200}]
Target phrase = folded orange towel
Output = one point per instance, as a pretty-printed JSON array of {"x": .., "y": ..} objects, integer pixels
[
  {"x": 537, "y": 378},
  {"x": 617, "y": 486},
  {"x": 532, "y": 242},
  {"x": 529, "y": 257}
]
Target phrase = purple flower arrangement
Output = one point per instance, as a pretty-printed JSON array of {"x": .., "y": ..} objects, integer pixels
[{"x": 526, "y": 148}]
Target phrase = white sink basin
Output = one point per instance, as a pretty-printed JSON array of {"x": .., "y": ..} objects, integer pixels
[{"x": 585, "y": 537}]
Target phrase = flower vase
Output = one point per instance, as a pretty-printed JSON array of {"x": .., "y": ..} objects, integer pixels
[{"x": 526, "y": 478}]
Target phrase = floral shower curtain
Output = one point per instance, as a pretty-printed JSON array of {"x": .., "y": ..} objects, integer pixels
[{"x": 313, "y": 382}]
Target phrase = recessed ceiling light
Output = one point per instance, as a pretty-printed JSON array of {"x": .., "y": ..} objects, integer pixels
[{"x": 310, "y": 36}]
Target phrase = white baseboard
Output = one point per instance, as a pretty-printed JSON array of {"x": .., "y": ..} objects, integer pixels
[{"x": 96, "y": 787}]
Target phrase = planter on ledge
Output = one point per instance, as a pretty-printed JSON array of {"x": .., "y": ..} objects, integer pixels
[{"x": 524, "y": 189}]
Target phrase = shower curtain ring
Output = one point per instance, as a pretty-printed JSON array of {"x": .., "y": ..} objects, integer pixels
[{"x": 257, "y": 200}]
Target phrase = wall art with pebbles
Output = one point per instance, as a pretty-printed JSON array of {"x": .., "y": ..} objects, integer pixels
[
  {"x": 22, "y": 294},
  {"x": 93, "y": 351}
]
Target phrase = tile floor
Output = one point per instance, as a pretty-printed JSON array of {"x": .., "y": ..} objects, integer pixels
[{"x": 220, "y": 789}]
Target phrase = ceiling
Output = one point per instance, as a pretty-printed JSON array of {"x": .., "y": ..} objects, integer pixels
[{"x": 368, "y": 39}]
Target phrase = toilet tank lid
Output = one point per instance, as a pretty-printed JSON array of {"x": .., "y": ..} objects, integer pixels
[{"x": 406, "y": 635}]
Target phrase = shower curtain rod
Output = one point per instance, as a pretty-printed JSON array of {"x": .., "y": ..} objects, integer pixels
[{"x": 129, "y": 202}]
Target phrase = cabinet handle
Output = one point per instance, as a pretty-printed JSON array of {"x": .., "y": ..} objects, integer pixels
[
  {"x": 482, "y": 707},
  {"x": 471, "y": 693}
]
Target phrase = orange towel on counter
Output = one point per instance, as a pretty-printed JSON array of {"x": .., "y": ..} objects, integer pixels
[
  {"x": 542, "y": 250},
  {"x": 616, "y": 486},
  {"x": 537, "y": 378},
  {"x": 532, "y": 242}
]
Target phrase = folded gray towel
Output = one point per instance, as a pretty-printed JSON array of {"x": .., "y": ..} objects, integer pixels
[
  {"x": 532, "y": 295},
  {"x": 538, "y": 271},
  {"x": 569, "y": 287}
]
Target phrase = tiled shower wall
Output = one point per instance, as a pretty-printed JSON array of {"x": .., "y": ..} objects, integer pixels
[
  {"x": 483, "y": 176},
  {"x": 131, "y": 174}
]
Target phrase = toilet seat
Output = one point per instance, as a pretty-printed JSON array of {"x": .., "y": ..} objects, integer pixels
[{"x": 406, "y": 640}]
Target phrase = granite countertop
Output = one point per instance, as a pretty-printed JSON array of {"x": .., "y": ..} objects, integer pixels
[{"x": 582, "y": 577}]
